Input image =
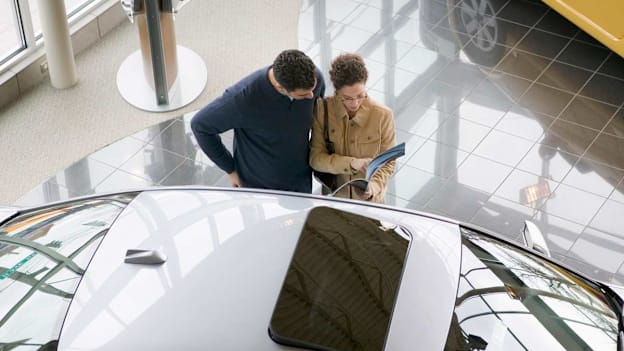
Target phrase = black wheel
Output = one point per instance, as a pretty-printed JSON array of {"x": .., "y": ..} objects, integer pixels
[{"x": 479, "y": 29}]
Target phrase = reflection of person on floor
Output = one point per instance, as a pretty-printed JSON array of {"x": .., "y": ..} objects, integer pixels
[
  {"x": 359, "y": 127},
  {"x": 270, "y": 111}
]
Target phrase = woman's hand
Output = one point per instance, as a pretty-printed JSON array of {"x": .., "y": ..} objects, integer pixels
[
  {"x": 367, "y": 194},
  {"x": 360, "y": 164}
]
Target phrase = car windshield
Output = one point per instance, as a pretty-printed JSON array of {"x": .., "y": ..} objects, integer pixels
[
  {"x": 509, "y": 299},
  {"x": 43, "y": 254}
]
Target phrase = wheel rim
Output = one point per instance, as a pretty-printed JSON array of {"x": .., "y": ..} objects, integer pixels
[{"x": 477, "y": 17}]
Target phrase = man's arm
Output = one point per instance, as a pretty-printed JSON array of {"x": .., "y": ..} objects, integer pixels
[{"x": 217, "y": 117}]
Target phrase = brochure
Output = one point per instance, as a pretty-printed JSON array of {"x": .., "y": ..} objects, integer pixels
[{"x": 378, "y": 162}]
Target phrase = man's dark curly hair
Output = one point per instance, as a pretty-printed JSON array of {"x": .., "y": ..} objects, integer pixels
[
  {"x": 294, "y": 70},
  {"x": 347, "y": 69}
]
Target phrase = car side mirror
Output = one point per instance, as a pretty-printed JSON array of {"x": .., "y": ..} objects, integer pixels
[{"x": 534, "y": 239}]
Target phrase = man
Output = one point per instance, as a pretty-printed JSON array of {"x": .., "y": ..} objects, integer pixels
[{"x": 270, "y": 111}]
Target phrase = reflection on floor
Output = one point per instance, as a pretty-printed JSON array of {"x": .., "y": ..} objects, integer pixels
[{"x": 509, "y": 113}]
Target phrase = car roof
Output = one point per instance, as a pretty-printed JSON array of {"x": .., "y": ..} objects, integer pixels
[{"x": 227, "y": 253}]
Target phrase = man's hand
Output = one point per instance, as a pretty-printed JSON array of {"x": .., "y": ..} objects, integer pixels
[
  {"x": 235, "y": 180},
  {"x": 359, "y": 164}
]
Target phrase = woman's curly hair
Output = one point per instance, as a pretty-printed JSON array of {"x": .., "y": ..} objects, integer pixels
[{"x": 348, "y": 69}]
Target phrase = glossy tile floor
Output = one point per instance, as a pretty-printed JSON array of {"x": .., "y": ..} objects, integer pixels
[{"x": 509, "y": 113}]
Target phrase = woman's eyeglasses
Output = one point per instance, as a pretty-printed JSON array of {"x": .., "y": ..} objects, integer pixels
[{"x": 358, "y": 98}]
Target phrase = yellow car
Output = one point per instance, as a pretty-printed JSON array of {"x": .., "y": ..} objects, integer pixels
[{"x": 601, "y": 19}]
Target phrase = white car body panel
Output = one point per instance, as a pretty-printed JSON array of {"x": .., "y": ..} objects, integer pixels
[
  {"x": 7, "y": 212},
  {"x": 227, "y": 255}
]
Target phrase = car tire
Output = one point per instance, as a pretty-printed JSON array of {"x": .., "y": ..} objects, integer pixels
[{"x": 483, "y": 29}]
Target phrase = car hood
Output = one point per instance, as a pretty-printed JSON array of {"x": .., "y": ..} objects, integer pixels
[{"x": 227, "y": 256}]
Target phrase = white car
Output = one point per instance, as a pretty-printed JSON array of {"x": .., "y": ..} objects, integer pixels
[{"x": 231, "y": 269}]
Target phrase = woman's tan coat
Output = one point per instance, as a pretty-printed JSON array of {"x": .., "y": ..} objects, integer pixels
[{"x": 368, "y": 133}]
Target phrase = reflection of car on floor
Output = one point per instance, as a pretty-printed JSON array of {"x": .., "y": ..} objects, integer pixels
[
  {"x": 485, "y": 39},
  {"x": 230, "y": 269},
  {"x": 477, "y": 19}
]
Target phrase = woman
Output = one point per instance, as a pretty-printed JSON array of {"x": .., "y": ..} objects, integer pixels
[{"x": 359, "y": 127}]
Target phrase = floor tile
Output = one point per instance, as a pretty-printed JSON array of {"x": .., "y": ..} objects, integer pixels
[
  {"x": 604, "y": 88},
  {"x": 565, "y": 77},
  {"x": 543, "y": 99},
  {"x": 193, "y": 173},
  {"x": 503, "y": 86},
  {"x": 589, "y": 269},
  {"x": 482, "y": 174},
  {"x": 616, "y": 125},
  {"x": 420, "y": 121},
  {"x": 607, "y": 149},
  {"x": 522, "y": 12},
  {"x": 618, "y": 278},
  {"x": 483, "y": 109},
  {"x": 504, "y": 148},
  {"x": 610, "y": 219},
  {"x": 415, "y": 186},
  {"x": 121, "y": 181},
  {"x": 83, "y": 176},
  {"x": 526, "y": 189},
  {"x": 440, "y": 96},
  {"x": 396, "y": 82},
  {"x": 594, "y": 177},
  {"x": 438, "y": 159},
  {"x": 523, "y": 64},
  {"x": 522, "y": 122},
  {"x": 568, "y": 137},
  {"x": 583, "y": 55},
  {"x": 412, "y": 142},
  {"x": 177, "y": 138},
  {"x": 461, "y": 133},
  {"x": 461, "y": 75},
  {"x": 599, "y": 249},
  {"x": 618, "y": 193},
  {"x": 560, "y": 234},
  {"x": 503, "y": 216},
  {"x": 573, "y": 204},
  {"x": 388, "y": 52},
  {"x": 339, "y": 10},
  {"x": 44, "y": 193},
  {"x": 152, "y": 163},
  {"x": 582, "y": 36},
  {"x": 613, "y": 66},
  {"x": 367, "y": 18},
  {"x": 553, "y": 22},
  {"x": 118, "y": 152},
  {"x": 509, "y": 34},
  {"x": 422, "y": 62},
  {"x": 588, "y": 112},
  {"x": 542, "y": 43},
  {"x": 347, "y": 38},
  {"x": 548, "y": 162},
  {"x": 458, "y": 201},
  {"x": 149, "y": 133},
  {"x": 407, "y": 30}
]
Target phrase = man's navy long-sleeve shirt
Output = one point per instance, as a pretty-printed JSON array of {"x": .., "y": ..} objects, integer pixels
[{"x": 271, "y": 133}]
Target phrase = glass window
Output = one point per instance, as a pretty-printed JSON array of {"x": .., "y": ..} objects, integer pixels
[
  {"x": 71, "y": 7},
  {"x": 526, "y": 303},
  {"x": 10, "y": 30},
  {"x": 342, "y": 282},
  {"x": 43, "y": 255}
]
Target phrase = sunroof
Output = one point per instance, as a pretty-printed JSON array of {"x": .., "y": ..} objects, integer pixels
[{"x": 342, "y": 282}]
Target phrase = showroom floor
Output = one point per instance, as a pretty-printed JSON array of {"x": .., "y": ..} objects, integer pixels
[{"x": 509, "y": 113}]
